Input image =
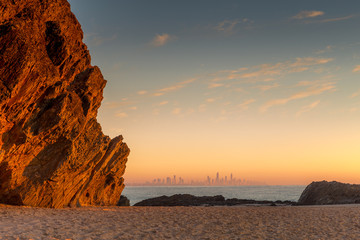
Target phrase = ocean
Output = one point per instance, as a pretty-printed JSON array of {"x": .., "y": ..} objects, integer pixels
[{"x": 271, "y": 193}]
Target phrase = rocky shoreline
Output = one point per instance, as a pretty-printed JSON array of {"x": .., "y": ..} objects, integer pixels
[
  {"x": 219, "y": 200},
  {"x": 316, "y": 193}
]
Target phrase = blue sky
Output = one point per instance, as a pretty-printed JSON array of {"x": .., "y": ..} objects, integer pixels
[{"x": 248, "y": 74}]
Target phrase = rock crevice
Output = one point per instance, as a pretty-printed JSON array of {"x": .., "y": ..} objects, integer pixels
[{"x": 52, "y": 149}]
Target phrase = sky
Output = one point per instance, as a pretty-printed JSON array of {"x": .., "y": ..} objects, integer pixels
[{"x": 266, "y": 90}]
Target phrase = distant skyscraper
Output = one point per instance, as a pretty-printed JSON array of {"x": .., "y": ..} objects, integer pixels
[
  {"x": 217, "y": 177},
  {"x": 174, "y": 182}
]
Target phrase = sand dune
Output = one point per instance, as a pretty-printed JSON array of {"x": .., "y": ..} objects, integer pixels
[{"x": 245, "y": 222}]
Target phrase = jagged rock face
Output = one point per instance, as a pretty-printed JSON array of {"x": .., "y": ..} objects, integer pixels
[
  {"x": 52, "y": 149},
  {"x": 323, "y": 193}
]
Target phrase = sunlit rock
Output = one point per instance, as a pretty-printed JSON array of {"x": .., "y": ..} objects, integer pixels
[{"x": 52, "y": 149}]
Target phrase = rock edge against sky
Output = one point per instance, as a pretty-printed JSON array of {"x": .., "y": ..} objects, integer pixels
[{"x": 52, "y": 149}]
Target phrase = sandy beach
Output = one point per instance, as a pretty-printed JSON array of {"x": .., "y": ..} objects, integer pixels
[{"x": 241, "y": 222}]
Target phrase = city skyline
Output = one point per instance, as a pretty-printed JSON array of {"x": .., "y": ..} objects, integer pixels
[{"x": 218, "y": 180}]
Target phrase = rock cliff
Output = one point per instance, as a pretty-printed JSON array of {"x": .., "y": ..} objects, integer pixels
[
  {"x": 52, "y": 149},
  {"x": 323, "y": 193}
]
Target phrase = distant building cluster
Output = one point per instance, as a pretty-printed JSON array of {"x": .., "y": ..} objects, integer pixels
[
  {"x": 216, "y": 181},
  {"x": 226, "y": 180}
]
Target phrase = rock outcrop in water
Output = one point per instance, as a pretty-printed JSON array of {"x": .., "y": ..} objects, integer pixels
[
  {"x": 218, "y": 200},
  {"x": 323, "y": 193},
  {"x": 52, "y": 149}
]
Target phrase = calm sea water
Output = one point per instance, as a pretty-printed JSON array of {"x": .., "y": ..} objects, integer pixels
[{"x": 271, "y": 193}]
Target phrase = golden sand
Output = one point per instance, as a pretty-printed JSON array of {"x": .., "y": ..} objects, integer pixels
[{"x": 240, "y": 222}]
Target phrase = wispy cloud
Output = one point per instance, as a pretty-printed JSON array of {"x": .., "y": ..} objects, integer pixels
[
  {"x": 174, "y": 87},
  {"x": 327, "y": 20},
  {"x": 155, "y": 112},
  {"x": 121, "y": 115},
  {"x": 307, "y": 108},
  {"x": 325, "y": 50},
  {"x": 163, "y": 103},
  {"x": 267, "y": 72},
  {"x": 355, "y": 94},
  {"x": 336, "y": 19},
  {"x": 215, "y": 85},
  {"x": 226, "y": 85},
  {"x": 264, "y": 88},
  {"x": 229, "y": 26},
  {"x": 308, "y": 14},
  {"x": 299, "y": 65},
  {"x": 112, "y": 105},
  {"x": 202, "y": 108},
  {"x": 264, "y": 71},
  {"x": 311, "y": 91},
  {"x": 95, "y": 39},
  {"x": 176, "y": 111},
  {"x": 308, "y": 61},
  {"x": 353, "y": 109},
  {"x": 161, "y": 39},
  {"x": 142, "y": 92},
  {"x": 226, "y": 26},
  {"x": 245, "y": 105},
  {"x": 357, "y": 69}
]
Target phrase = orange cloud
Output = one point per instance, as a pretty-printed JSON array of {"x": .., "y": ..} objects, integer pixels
[
  {"x": 355, "y": 94},
  {"x": 121, "y": 115},
  {"x": 174, "y": 87},
  {"x": 265, "y": 88},
  {"x": 357, "y": 68},
  {"x": 215, "y": 85},
  {"x": 245, "y": 104},
  {"x": 309, "y": 61},
  {"x": 311, "y": 91},
  {"x": 176, "y": 111},
  {"x": 327, "y": 49},
  {"x": 299, "y": 65},
  {"x": 308, "y": 14},
  {"x": 123, "y": 103},
  {"x": 226, "y": 26},
  {"x": 268, "y": 71},
  {"x": 163, "y": 103},
  {"x": 308, "y": 108},
  {"x": 336, "y": 19},
  {"x": 161, "y": 39}
]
